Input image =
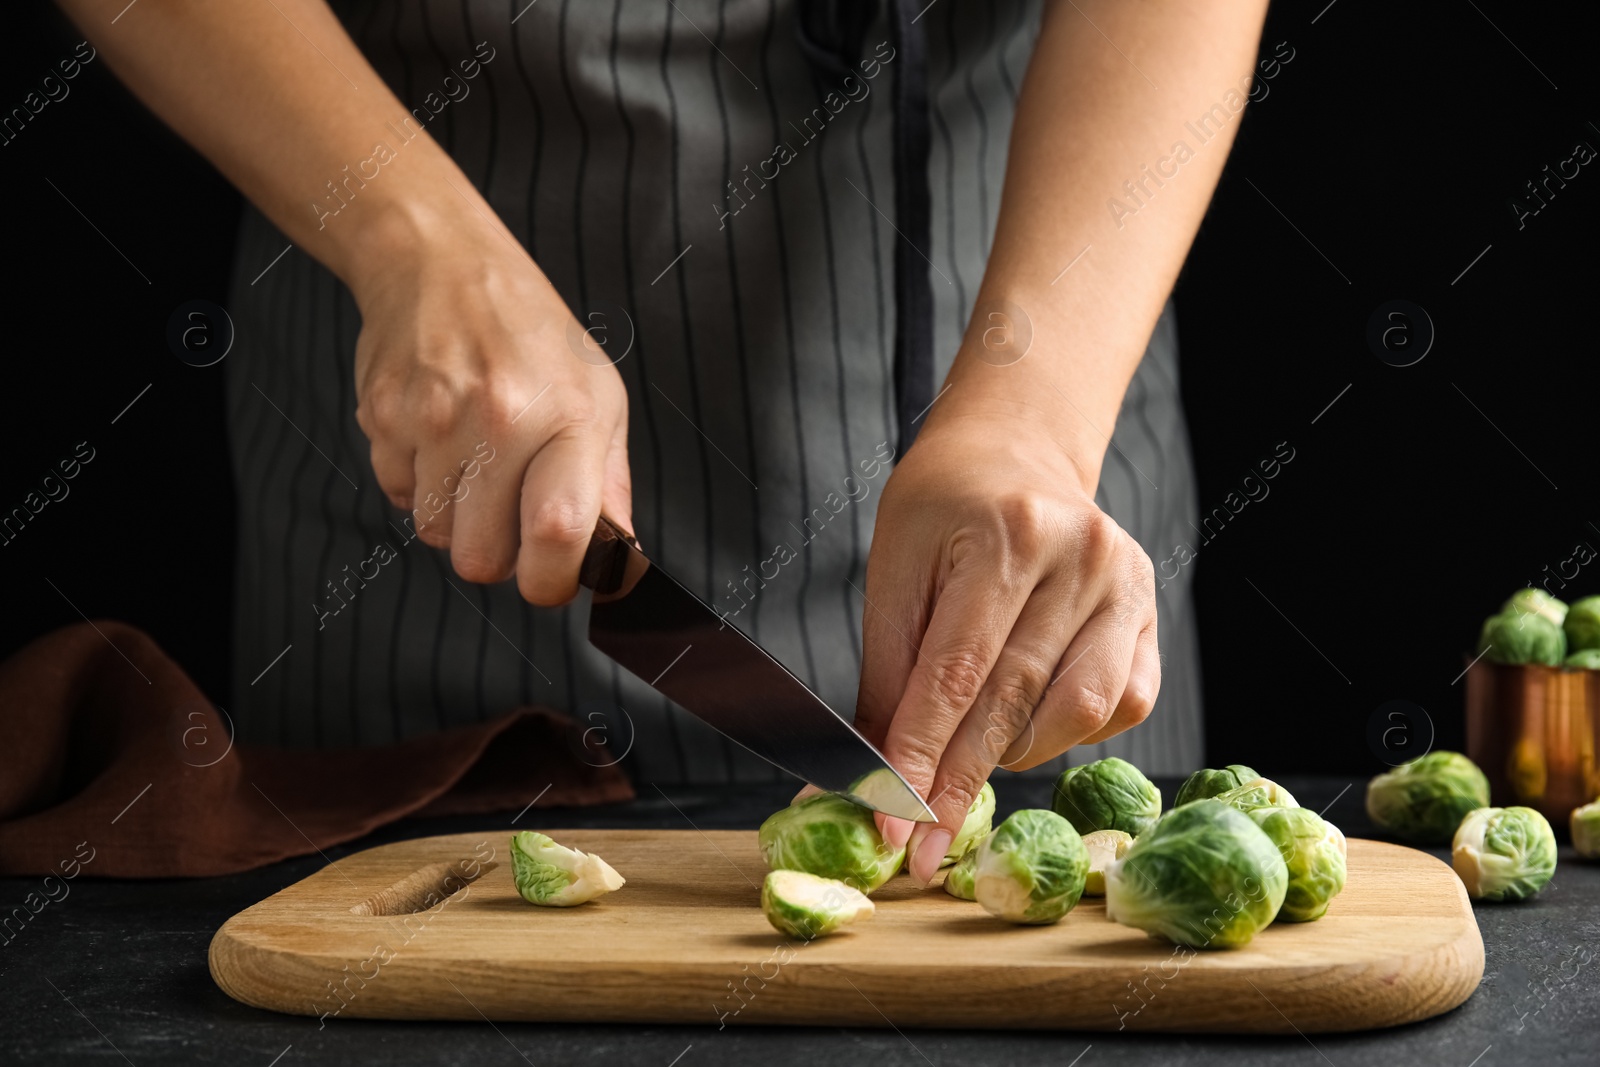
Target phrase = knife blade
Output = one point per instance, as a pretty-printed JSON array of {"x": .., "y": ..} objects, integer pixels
[{"x": 666, "y": 636}]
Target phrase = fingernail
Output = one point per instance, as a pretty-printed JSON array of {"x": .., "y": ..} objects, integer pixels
[
  {"x": 928, "y": 854},
  {"x": 896, "y": 832}
]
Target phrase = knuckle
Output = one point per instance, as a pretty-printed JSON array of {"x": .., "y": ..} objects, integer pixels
[
  {"x": 1011, "y": 711},
  {"x": 395, "y": 479},
  {"x": 916, "y": 755},
  {"x": 961, "y": 783},
  {"x": 1091, "y": 707},
  {"x": 480, "y": 565},
  {"x": 1027, "y": 522},
  {"x": 1139, "y": 699},
  {"x": 559, "y": 521},
  {"x": 435, "y": 408},
  {"x": 1101, "y": 537},
  {"x": 1138, "y": 703},
  {"x": 957, "y": 678},
  {"x": 377, "y": 413},
  {"x": 499, "y": 407}
]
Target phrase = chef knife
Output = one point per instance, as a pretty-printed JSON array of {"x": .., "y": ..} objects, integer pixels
[{"x": 649, "y": 623}]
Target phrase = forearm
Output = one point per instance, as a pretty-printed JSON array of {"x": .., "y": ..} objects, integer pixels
[
  {"x": 279, "y": 98},
  {"x": 1091, "y": 117}
]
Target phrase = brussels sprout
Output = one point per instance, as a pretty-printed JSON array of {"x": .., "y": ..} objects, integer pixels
[
  {"x": 1313, "y": 851},
  {"x": 1585, "y": 659},
  {"x": 1537, "y": 602},
  {"x": 555, "y": 876},
  {"x": 1031, "y": 869},
  {"x": 1425, "y": 799},
  {"x": 1528, "y": 638},
  {"x": 1104, "y": 846},
  {"x": 828, "y": 836},
  {"x": 1207, "y": 782},
  {"x": 1258, "y": 793},
  {"x": 976, "y": 826},
  {"x": 804, "y": 906},
  {"x": 1504, "y": 854},
  {"x": 1108, "y": 794},
  {"x": 1205, "y": 876},
  {"x": 1586, "y": 830},
  {"x": 1582, "y": 625},
  {"x": 958, "y": 883}
]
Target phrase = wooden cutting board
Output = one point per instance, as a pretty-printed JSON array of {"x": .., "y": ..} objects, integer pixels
[{"x": 434, "y": 929}]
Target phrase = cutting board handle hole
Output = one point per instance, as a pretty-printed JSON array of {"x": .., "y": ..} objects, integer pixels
[{"x": 424, "y": 888}]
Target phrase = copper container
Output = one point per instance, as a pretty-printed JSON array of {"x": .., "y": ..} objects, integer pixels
[{"x": 1533, "y": 731}]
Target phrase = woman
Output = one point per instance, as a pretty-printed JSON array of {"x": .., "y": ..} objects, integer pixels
[{"x": 748, "y": 204}]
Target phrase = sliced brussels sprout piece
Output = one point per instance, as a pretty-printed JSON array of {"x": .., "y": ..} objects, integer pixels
[
  {"x": 1208, "y": 782},
  {"x": 1424, "y": 800},
  {"x": 555, "y": 876},
  {"x": 1031, "y": 869},
  {"x": 1108, "y": 794},
  {"x": 1104, "y": 846},
  {"x": 1536, "y": 602},
  {"x": 1586, "y": 830},
  {"x": 1313, "y": 851},
  {"x": 1504, "y": 854},
  {"x": 1511, "y": 638},
  {"x": 1585, "y": 659},
  {"x": 1258, "y": 793},
  {"x": 882, "y": 789},
  {"x": 828, "y": 836},
  {"x": 1582, "y": 625},
  {"x": 803, "y": 906},
  {"x": 958, "y": 881},
  {"x": 1205, "y": 875},
  {"x": 974, "y": 828}
]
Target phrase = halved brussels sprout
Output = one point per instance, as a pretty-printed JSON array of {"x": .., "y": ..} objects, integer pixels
[
  {"x": 1108, "y": 794},
  {"x": 1528, "y": 638},
  {"x": 975, "y": 827},
  {"x": 1586, "y": 830},
  {"x": 1258, "y": 793},
  {"x": 1424, "y": 800},
  {"x": 1313, "y": 850},
  {"x": 1582, "y": 624},
  {"x": 1031, "y": 869},
  {"x": 1205, "y": 876},
  {"x": 1504, "y": 854},
  {"x": 958, "y": 882},
  {"x": 1208, "y": 782},
  {"x": 804, "y": 906},
  {"x": 555, "y": 876},
  {"x": 1585, "y": 659},
  {"x": 828, "y": 836},
  {"x": 1537, "y": 602},
  {"x": 1104, "y": 846}
]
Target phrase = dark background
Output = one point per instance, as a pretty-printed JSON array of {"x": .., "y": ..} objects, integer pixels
[{"x": 1394, "y": 140}]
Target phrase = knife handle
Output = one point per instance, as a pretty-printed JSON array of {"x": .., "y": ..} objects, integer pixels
[{"x": 606, "y": 558}]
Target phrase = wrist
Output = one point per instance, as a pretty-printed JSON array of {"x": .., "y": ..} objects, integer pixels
[
  {"x": 1037, "y": 425},
  {"x": 400, "y": 229}
]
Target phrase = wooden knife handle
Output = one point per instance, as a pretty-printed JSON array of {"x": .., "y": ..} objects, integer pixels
[{"x": 606, "y": 558}]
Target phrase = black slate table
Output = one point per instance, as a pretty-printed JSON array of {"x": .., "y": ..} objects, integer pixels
[{"x": 115, "y": 973}]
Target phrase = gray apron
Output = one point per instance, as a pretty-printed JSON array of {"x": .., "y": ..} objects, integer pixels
[{"x": 682, "y": 172}]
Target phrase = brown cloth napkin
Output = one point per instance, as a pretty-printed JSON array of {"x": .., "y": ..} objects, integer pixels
[{"x": 108, "y": 749}]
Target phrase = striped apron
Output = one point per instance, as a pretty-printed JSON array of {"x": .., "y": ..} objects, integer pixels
[{"x": 690, "y": 178}]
